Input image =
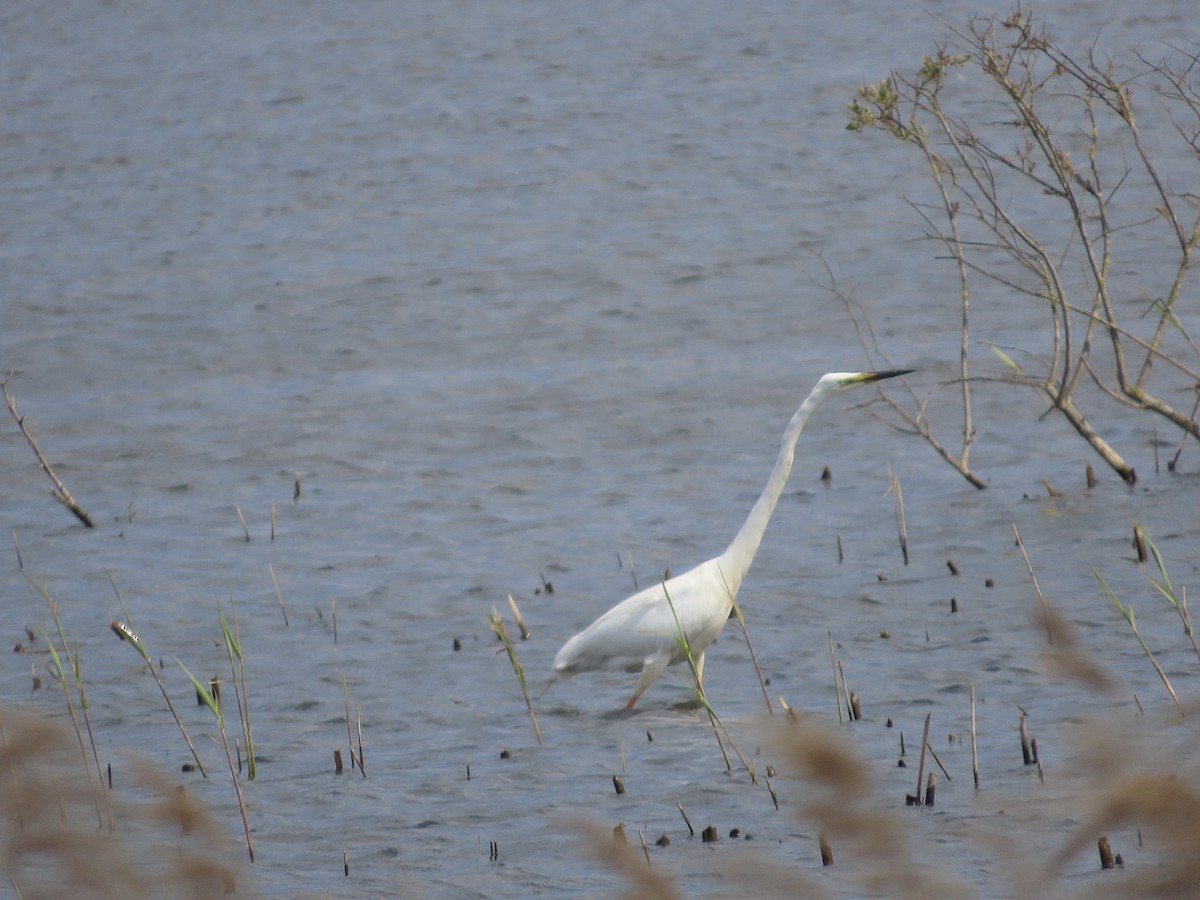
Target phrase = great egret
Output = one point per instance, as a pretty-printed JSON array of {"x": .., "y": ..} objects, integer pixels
[{"x": 641, "y": 634}]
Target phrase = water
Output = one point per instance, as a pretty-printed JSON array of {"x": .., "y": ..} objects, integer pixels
[{"x": 520, "y": 291}]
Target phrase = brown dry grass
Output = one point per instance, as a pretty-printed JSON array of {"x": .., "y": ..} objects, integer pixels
[{"x": 161, "y": 842}]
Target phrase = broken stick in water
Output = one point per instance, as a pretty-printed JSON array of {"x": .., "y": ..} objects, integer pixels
[{"x": 60, "y": 492}]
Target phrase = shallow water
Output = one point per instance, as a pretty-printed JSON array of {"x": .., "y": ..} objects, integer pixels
[{"x": 517, "y": 292}]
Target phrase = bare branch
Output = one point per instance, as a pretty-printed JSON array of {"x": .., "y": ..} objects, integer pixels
[
  {"x": 1026, "y": 200},
  {"x": 60, "y": 492}
]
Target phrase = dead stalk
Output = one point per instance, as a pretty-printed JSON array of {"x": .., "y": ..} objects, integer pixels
[
  {"x": 894, "y": 488},
  {"x": 837, "y": 685},
  {"x": 278, "y": 594},
  {"x": 974, "y": 747},
  {"x": 741, "y": 621},
  {"x": 497, "y": 625},
  {"x": 245, "y": 527},
  {"x": 921, "y": 763},
  {"x": 60, "y": 492},
  {"x": 1037, "y": 588},
  {"x": 518, "y": 618},
  {"x": 356, "y": 758}
]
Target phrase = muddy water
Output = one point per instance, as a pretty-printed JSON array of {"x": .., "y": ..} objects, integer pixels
[{"x": 523, "y": 293}]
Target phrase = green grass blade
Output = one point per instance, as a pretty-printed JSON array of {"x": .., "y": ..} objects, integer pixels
[
  {"x": 203, "y": 692},
  {"x": 1164, "y": 586},
  {"x": 232, "y": 640},
  {"x": 1126, "y": 611},
  {"x": 1006, "y": 359}
]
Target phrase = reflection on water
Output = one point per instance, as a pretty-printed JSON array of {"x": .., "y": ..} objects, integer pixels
[{"x": 519, "y": 295}]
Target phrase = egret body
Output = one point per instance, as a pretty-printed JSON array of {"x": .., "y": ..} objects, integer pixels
[{"x": 641, "y": 633}]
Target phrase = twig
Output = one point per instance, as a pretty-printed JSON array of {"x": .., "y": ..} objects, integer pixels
[
  {"x": 1174, "y": 460},
  {"x": 60, "y": 492},
  {"x": 686, "y": 820},
  {"x": 845, "y": 691},
  {"x": 921, "y": 763},
  {"x": 837, "y": 688},
  {"x": 245, "y": 529},
  {"x": 974, "y": 748},
  {"x": 356, "y": 758},
  {"x": 358, "y": 728},
  {"x": 770, "y": 787},
  {"x": 278, "y": 593},
  {"x": 894, "y": 487},
  {"x": 916, "y": 422},
  {"x": 737, "y": 611},
  {"x": 1033, "y": 578},
  {"x": 1026, "y": 745},
  {"x": 933, "y": 753},
  {"x": 346, "y": 705}
]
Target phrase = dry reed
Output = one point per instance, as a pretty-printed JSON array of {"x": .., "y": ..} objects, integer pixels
[
  {"x": 497, "y": 626},
  {"x": 245, "y": 527},
  {"x": 356, "y": 756},
  {"x": 1036, "y": 587},
  {"x": 762, "y": 683},
  {"x": 163, "y": 844},
  {"x": 902, "y": 529},
  {"x": 278, "y": 593}
]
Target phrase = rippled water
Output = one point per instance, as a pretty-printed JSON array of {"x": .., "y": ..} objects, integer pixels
[{"x": 520, "y": 291}]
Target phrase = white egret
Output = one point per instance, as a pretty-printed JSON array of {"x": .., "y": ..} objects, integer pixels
[{"x": 642, "y": 633}]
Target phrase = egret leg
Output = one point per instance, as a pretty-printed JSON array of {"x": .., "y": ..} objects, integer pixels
[{"x": 651, "y": 669}]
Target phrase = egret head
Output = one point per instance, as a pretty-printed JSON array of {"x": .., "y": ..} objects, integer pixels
[{"x": 836, "y": 382}]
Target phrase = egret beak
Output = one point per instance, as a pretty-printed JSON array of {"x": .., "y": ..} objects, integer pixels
[{"x": 868, "y": 377}]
